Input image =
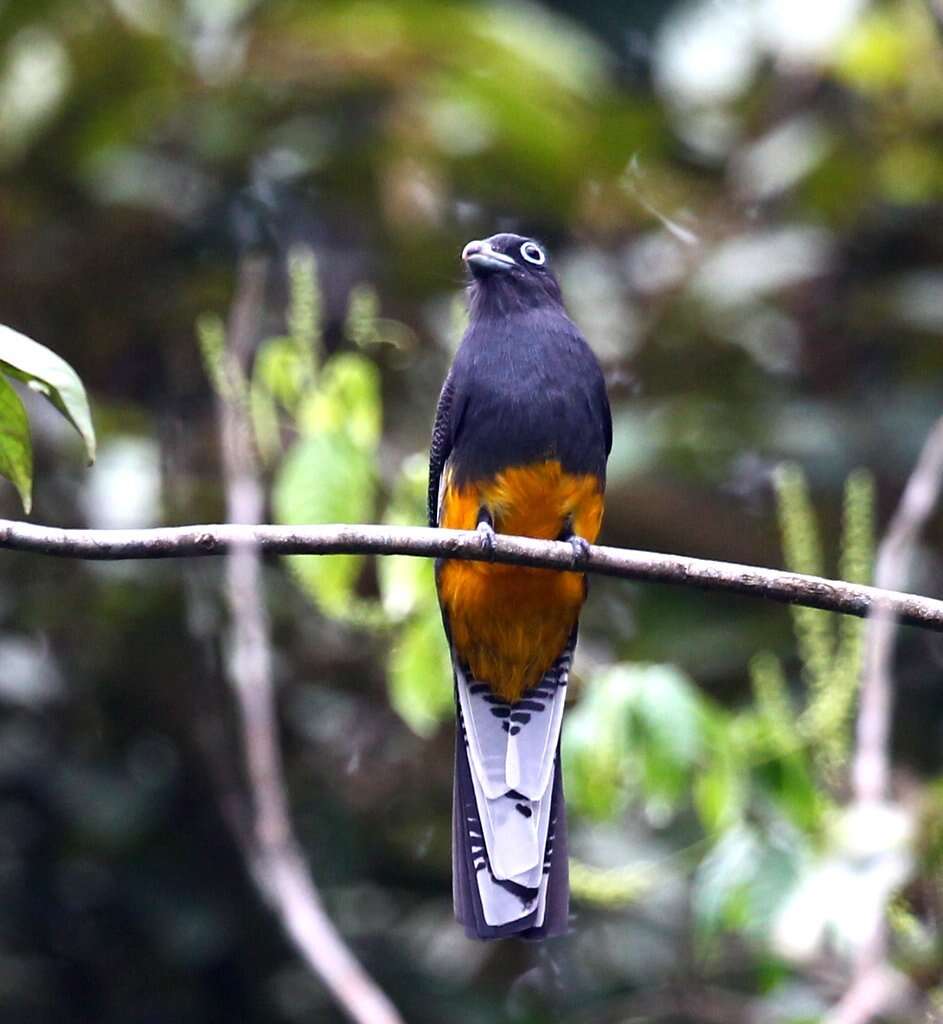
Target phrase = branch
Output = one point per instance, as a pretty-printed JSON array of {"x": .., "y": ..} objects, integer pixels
[
  {"x": 423, "y": 542},
  {"x": 270, "y": 848},
  {"x": 876, "y": 986},
  {"x": 870, "y": 769}
]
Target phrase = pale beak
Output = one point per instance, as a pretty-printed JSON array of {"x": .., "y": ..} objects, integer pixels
[{"x": 482, "y": 259}]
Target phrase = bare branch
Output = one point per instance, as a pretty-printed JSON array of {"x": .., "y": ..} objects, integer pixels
[
  {"x": 270, "y": 848},
  {"x": 648, "y": 566},
  {"x": 876, "y": 986},
  {"x": 870, "y": 770}
]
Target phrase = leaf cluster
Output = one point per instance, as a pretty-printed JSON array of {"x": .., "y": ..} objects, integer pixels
[
  {"x": 757, "y": 779},
  {"x": 317, "y": 421}
]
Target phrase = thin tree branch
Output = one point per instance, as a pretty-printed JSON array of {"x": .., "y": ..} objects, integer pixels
[
  {"x": 422, "y": 542},
  {"x": 870, "y": 770},
  {"x": 270, "y": 848},
  {"x": 875, "y": 985}
]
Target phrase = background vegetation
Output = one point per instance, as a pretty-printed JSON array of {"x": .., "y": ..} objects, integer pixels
[{"x": 744, "y": 202}]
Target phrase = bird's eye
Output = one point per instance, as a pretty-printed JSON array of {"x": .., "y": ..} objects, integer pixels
[{"x": 532, "y": 252}]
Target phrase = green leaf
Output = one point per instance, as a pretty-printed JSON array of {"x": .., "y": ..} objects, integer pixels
[
  {"x": 347, "y": 399},
  {"x": 407, "y": 585},
  {"x": 16, "y": 452},
  {"x": 876, "y": 54},
  {"x": 721, "y": 790},
  {"x": 636, "y": 720},
  {"x": 597, "y": 764},
  {"x": 326, "y": 478},
  {"x": 663, "y": 730},
  {"x": 746, "y": 877},
  {"x": 789, "y": 786},
  {"x": 420, "y": 672},
  {"x": 723, "y": 879},
  {"x": 51, "y": 375},
  {"x": 280, "y": 370}
]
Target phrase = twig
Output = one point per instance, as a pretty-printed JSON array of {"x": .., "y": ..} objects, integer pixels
[
  {"x": 648, "y": 566},
  {"x": 875, "y": 985},
  {"x": 870, "y": 767},
  {"x": 271, "y": 850}
]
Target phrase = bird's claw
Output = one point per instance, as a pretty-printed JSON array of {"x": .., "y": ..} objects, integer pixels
[
  {"x": 580, "y": 546},
  {"x": 486, "y": 536}
]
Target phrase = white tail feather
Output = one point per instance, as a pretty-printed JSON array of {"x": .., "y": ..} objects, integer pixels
[{"x": 511, "y": 752}]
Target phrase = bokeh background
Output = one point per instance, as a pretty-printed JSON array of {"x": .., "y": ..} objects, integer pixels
[{"x": 744, "y": 202}]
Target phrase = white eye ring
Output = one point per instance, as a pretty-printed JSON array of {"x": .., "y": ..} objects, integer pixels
[{"x": 532, "y": 252}]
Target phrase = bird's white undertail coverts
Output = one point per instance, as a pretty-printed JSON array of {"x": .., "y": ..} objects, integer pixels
[{"x": 508, "y": 827}]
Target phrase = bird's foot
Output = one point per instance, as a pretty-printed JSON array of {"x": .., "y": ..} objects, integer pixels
[
  {"x": 486, "y": 536},
  {"x": 581, "y": 547}
]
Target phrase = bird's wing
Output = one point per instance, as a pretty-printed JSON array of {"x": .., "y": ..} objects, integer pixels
[
  {"x": 607, "y": 417},
  {"x": 441, "y": 446}
]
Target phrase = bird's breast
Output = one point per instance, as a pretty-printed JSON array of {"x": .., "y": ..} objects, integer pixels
[{"x": 510, "y": 623}]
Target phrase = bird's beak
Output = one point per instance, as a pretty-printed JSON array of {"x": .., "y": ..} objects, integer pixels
[{"x": 482, "y": 259}]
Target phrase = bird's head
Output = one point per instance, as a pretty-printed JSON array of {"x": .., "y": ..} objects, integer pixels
[{"x": 510, "y": 270}]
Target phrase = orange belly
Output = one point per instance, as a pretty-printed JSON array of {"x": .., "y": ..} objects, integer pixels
[{"x": 510, "y": 623}]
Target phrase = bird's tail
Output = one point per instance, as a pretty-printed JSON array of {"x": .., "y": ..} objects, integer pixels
[{"x": 530, "y": 905}]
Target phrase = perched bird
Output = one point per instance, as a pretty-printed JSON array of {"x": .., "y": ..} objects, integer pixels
[{"x": 521, "y": 437}]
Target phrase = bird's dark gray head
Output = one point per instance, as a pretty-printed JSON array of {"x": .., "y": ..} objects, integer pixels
[{"x": 509, "y": 271}]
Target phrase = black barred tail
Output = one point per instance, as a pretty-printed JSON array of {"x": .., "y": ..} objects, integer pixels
[{"x": 527, "y": 911}]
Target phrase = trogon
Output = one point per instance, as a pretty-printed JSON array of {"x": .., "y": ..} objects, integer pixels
[{"x": 520, "y": 442}]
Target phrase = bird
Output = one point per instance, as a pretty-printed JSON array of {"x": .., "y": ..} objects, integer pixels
[{"x": 520, "y": 441}]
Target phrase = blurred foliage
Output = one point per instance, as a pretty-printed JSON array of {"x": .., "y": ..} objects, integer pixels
[
  {"x": 751, "y": 775},
  {"x": 830, "y": 647},
  {"x": 419, "y": 668},
  {"x": 743, "y": 202},
  {"x": 327, "y": 472},
  {"x": 638, "y": 729}
]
